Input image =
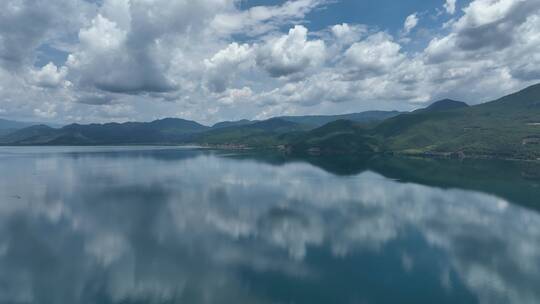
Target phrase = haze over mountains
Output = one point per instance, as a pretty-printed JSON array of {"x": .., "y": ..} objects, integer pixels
[{"x": 506, "y": 128}]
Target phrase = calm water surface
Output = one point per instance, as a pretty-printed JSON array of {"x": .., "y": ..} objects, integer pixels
[{"x": 169, "y": 225}]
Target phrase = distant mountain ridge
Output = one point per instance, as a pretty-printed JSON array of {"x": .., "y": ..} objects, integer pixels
[
  {"x": 9, "y": 126},
  {"x": 169, "y": 130},
  {"x": 315, "y": 121},
  {"x": 226, "y": 124},
  {"x": 362, "y": 117},
  {"x": 444, "y": 105},
  {"x": 175, "y": 130},
  {"x": 508, "y": 127},
  {"x": 14, "y": 125}
]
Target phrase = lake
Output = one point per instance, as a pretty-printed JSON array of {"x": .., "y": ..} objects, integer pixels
[{"x": 186, "y": 225}]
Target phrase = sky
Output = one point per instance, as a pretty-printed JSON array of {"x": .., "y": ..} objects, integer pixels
[{"x": 65, "y": 61}]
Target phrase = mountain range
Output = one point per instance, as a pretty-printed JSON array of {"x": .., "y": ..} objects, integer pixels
[
  {"x": 508, "y": 127},
  {"x": 10, "y": 126},
  {"x": 175, "y": 130}
]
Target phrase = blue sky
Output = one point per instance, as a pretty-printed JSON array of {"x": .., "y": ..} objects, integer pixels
[
  {"x": 210, "y": 60},
  {"x": 384, "y": 14}
]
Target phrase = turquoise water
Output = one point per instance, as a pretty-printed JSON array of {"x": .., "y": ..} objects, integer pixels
[{"x": 186, "y": 225}]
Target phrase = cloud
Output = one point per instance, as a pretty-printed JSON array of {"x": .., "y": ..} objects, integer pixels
[
  {"x": 346, "y": 33},
  {"x": 107, "y": 61},
  {"x": 492, "y": 24},
  {"x": 199, "y": 58},
  {"x": 475, "y": 236},
  {"x": 373, "y": 56},
  {"x": 47, "y": 111},
  {"x": 441, "y": 49},
  {"x": 94, "y": 98},
  {"x": 410, "y": 23},
  {"x": 222, "y": 66},
  {"x": 496, "y": 36},
  {"x": 49, "y": 76},
  {"x": 25, "y": 25},
  {"x": 236, "y": 96},
  {"x": 450, "y": 6},
  {"x": 291, "y": 54},
  {"x": 313, "y": 90},
  {"x": 262, "y": 19},
  {"x": 148, "y": 47}
]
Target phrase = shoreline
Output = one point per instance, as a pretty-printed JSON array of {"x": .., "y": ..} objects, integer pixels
[{"x": 282, "y": 149}]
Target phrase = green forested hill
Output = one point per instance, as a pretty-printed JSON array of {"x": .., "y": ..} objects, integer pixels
[
  {"x": 339, "y": 137},
  {"x": 443, "y": 105},
  {"x": 265, "y": 133},
  {"x": 505, "y": 128}
]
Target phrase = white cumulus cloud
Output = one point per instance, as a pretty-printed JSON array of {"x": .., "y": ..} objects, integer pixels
[
  {"x": 291, "y": 53},
  {"x": 450, "y": 6},
  {"x": 49, "y": 76},
  {"x": 410, "y": 23}
]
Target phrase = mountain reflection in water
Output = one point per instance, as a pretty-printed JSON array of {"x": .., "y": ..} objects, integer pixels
[{"x": 168, "y": 225}]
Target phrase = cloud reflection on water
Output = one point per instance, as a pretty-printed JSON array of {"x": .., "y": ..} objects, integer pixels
[{"x": 96, "y": 227}]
